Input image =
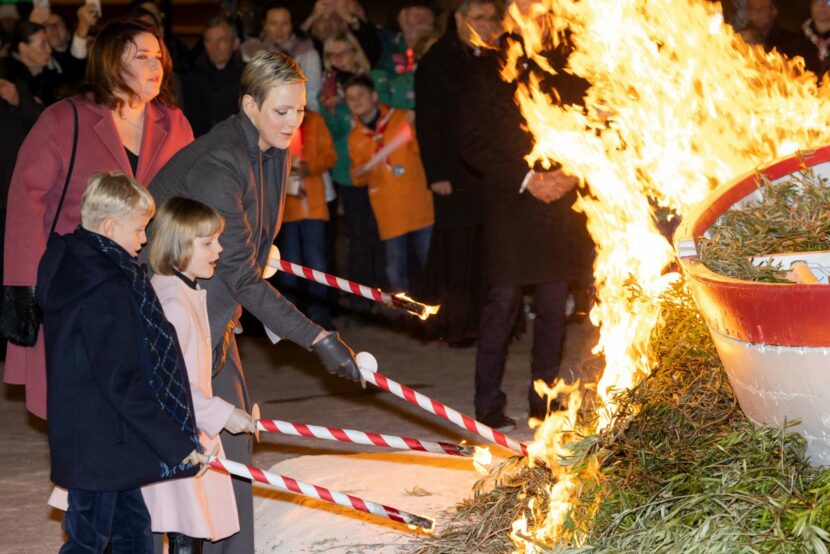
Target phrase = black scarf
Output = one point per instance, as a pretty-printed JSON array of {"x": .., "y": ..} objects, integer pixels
[{"x": 168, "y": 375}]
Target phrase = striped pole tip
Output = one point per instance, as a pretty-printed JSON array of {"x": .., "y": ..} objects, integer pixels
[
  {"x": 255, "y": 417},
  {"x": 366, "y": 361}
]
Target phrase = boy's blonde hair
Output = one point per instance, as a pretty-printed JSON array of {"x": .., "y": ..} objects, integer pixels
[
  {"x": 178, "y": 223},
  {"x": 113, "y": 194},
  {"x": 266, "y": 71}
]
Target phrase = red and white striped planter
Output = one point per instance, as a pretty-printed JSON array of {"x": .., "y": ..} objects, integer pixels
[{"x": 773, "y": 339}]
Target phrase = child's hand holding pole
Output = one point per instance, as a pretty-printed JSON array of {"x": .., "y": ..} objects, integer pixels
[
  {"x": 239, "y": 422},
  {"x": 195, "y": 459}
]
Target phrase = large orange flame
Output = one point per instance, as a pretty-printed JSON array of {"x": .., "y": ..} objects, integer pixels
[{"x": 678, "y": 104}]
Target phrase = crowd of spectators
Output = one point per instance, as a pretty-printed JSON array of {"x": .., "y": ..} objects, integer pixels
[
  {"x": 811, "y": 42},
  {"x": 410, "y": 140},
  {"x": 42, "y": 62}
]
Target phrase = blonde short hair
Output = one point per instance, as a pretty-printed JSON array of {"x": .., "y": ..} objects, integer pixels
[
  {"x": 266, "y": 71},
  {"x": 178, "y": 223},
  {"x": 348, "y": 38},
  {"x": 113, "y": 194}
]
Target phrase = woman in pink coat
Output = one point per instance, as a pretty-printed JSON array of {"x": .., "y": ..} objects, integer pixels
[
  {"x": 127, "y": 121},
  {"x": 184, "y": 248}
]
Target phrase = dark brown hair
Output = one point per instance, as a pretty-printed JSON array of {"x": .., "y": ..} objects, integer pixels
[
  {"x": 359, "y": 81},
  {"x": 23, "y": 32},
  {"x": 104, "y": 71}
]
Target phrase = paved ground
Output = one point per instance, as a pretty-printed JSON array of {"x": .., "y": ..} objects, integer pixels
[{"x": 289, "y": 384}]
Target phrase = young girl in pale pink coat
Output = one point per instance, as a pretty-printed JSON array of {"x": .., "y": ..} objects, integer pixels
[{"x": 184, "y": 248}]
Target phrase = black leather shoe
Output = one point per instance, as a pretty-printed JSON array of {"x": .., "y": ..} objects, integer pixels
[
  {"x": 498, "y": 421},
  {"x": 182, "y": 544}
]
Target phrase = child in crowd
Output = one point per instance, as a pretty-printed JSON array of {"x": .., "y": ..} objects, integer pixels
[
  {"x": 345, "y": 58},
  {"x": 385, "y": 156},
  {"x": 185, "y": 247},
  {"x": 302, "y": 236},
  {"x": 120, "y": 412}
]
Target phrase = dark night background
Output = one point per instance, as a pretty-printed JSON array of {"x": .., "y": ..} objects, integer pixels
[{"x": 187, "y": 17}]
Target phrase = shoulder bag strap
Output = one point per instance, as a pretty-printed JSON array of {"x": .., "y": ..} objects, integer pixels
[{"x": 71, "y": 166}]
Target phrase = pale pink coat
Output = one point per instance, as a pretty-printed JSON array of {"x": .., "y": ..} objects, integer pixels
[{"x": 203, "y": 506}]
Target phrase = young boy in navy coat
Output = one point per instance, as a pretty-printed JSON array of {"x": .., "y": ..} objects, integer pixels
[{"x": 118, "y": 400}]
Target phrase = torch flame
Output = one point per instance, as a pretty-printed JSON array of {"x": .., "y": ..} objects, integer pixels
[
  {"x": 424, "y": 525},
  {"x": 481, "y": 459},
  {"x": 678, "y": 104},
  {"x": 414, "y": 307}
]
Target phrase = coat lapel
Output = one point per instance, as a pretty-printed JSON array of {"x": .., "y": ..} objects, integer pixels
[
  {"x": 155, "y": 133},
  {"x": 106, "y": 131}
]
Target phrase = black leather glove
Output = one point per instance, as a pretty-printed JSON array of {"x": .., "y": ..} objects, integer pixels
[{"x": 337, "y": 357}]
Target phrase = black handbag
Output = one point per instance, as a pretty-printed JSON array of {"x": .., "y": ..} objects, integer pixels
[{"x": 20, "y": 316}]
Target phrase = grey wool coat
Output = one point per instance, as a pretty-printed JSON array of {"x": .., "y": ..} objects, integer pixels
[{"x": 226, "y": 170}]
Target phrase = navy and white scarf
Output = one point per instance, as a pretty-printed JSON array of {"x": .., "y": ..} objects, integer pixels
[{"x": 168, "y": 375}]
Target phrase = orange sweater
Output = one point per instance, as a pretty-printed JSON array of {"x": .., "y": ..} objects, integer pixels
[
  {"x": 398, "y": 189},
  {"x": 316, "y": 149}
]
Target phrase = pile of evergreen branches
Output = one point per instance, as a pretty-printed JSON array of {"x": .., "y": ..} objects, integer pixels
[
  {"x": 791, "y": 216},
  {"x": 683, "y": 470}
]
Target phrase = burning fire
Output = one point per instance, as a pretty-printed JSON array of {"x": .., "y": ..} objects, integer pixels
[
  {"x": 678, "y": 104},
  {"x": 482, "y": 458},
  {"x": 423, "y": 311}
]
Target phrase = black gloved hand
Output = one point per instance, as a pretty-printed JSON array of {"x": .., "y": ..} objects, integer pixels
[{"x": 336, "y": 356}]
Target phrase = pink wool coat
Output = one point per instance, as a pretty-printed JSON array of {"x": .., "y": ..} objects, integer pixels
[
  {"x": 203, "y": 506},
  {"x": 35, "y": 190}
]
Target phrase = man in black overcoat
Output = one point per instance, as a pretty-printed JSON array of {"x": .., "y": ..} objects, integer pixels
[
  {"x": 530, "y": 231},
  {"x": 452, "y": 276},
  {"x": 210, "y": 90}
]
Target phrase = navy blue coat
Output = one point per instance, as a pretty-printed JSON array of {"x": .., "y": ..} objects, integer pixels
[{"x": 107, "y": 431}]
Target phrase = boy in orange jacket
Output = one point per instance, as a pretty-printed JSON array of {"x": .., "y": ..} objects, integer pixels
[
  {"x": 302, "y": 236},
  {"x": 385, "y": 157}
]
